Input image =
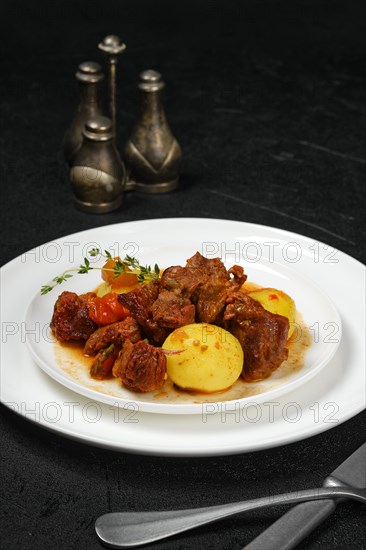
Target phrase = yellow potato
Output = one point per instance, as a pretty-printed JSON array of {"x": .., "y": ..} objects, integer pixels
[
  {"x": 210, "y": 359},
  {"x": 103, "y": 289},
  {"x": 276, "y": 301}
]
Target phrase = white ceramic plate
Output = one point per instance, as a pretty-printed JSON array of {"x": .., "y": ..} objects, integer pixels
[
  {"x": 174, "y": 248},
  {"x": 272, "y": 257}
]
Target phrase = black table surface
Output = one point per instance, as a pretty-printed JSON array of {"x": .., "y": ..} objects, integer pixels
[{"x": 267, "y": 101}]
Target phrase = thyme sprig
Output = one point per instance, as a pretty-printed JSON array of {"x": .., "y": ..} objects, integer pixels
[{"x": 144, "y": 273}]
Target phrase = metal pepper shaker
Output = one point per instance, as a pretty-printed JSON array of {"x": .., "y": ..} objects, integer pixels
[
  {"x": 152, "y": 154},
  {"x": 89, "y": 77},
  {"x": 98, "y": 175},
  {"x": 113, "y": 47}
]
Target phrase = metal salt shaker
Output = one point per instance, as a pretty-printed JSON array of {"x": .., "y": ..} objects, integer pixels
[
  {"x": 152, "y": 154},
  {"x": 98, "y": 175},
  {"x": 89, "y": 77}
]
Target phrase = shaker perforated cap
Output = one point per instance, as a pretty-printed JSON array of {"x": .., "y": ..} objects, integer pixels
[
  {"x": 112, "y": 45},
  {"x": 89, "y": 71},
  {"x": 151, "y": 81},
  {"x": 98, "y": 128}
]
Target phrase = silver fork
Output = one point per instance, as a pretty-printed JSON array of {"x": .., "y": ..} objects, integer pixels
[{"x": 129, "y": 529}]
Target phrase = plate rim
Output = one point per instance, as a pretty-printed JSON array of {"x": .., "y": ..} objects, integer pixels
[{"x": 175, "y": 219}]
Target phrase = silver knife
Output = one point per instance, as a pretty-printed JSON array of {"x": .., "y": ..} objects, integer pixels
[{"x": 291, "y": 528}]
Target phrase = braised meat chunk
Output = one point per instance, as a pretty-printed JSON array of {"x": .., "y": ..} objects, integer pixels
[
  {"x": 262, "y": 334},
  {"x": 141, "y": 366},
  {"x": 210, "y": 298},
  {"x": 156, "y": 310},
  {"x": 182, "y": 281},
  {"x": 139, "y": 302},
  {"x": 196, "y": 292},
  {"x": 114, "y": 333},
  {"x": 70, "y": 320},
  {"x": 206, "y": 282},
  {"x": 171, "y": 311}
]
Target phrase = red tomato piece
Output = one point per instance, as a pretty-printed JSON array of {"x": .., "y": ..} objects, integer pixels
[
  {"x": 103, "y": 363},
  {"x": 108, "y": 364},
  {"x": 107, "y": 310}
]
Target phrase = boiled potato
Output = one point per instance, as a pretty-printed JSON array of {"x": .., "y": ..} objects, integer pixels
[
  {"x": 210, "y": 359},
  {"x": 105, "y": 288},
  {"x": 276, "y": 301}
]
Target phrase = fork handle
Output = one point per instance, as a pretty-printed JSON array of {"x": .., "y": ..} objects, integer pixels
[{"x": 294, "y": 526}]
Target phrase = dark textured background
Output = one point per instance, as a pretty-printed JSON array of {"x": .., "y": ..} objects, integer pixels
[{"x": 267, "y": 99}]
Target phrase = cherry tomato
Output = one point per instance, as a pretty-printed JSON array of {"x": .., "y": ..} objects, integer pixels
[
  {"x": 106, "y": 310},
  {"x": 124, "y": 279}
]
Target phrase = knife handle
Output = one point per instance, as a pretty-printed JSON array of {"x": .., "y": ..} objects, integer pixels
[{"x": 291, "y": 528}]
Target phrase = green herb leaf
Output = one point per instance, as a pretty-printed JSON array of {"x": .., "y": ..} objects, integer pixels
[
  {"x": 45, "y": 289},
  {"x": 144, "y": 273}
]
